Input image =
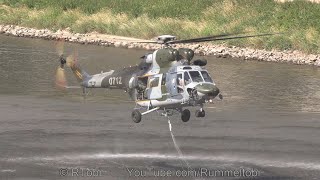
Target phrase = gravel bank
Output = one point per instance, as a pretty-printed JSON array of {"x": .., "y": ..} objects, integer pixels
[{"x": 290, "y": 56}]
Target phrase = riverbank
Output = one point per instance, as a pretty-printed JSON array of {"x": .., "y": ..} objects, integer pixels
[
  {"x": 145, "y": 19},
  {"x": 295, "y": 57}
]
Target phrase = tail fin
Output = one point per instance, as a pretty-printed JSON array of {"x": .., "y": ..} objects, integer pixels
[{"x": 79, "y": 73}]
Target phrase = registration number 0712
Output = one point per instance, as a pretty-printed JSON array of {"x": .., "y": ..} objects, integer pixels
[{"x": 115, "y": 81}]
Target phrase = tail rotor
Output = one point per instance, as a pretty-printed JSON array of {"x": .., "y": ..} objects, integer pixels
[
  {"x": 60, "y": 76},
  {"x": 72, "y": 62}
]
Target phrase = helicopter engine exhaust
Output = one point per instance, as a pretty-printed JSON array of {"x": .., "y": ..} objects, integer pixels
[
  {"x": 200, "y": 62},
  {"x": 185, "y": 53}
]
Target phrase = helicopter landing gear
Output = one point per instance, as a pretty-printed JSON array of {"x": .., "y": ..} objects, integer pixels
[
  {"x": 185, "y": 115},
  {"x": 200, "y": 113},
  {"x": 136, "y": 116}
]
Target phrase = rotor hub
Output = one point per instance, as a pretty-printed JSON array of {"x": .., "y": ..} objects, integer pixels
[
  {"x": 163, "y": 39},
  {"x": 63, "y": 61}
]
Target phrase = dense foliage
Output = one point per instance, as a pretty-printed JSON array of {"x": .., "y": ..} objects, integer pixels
[{"x": 298, "y": 20}]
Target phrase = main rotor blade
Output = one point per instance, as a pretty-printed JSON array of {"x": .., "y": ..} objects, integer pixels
[
  {"x": 188, "y": 40},
  {"x": 234, "y": 37},
  {"x": 211, "y": 38},
  {"x": 201, "y": 38},
  {"x": 152, "y": 42}
]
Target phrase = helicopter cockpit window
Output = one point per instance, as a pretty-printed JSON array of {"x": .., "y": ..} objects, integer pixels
[
  {"x": 206, "y": 76},
  {"x": 154, "y": 82},
  {"x": 196, "y": 77},
  {"x": 187, "y": 79}
]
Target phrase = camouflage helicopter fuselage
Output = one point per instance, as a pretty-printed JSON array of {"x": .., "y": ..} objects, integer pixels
[
  {"x": 164, "y": 80},
  {"x": 163, "y": 62}
]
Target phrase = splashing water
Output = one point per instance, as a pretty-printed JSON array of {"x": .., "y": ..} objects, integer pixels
[{"x": 176, "y": 145}]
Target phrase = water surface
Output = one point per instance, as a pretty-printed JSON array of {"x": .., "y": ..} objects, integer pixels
[{"x": 269, "y": 119}]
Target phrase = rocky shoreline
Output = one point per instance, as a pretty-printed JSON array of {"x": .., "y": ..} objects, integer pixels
[{"x": 294, "y": 57}]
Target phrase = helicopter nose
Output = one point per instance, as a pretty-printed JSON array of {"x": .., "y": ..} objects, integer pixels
[{"x": 208, "y": 89}]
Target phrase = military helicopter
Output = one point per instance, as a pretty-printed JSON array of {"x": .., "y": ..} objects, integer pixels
[{"x": 167, "y": 80}]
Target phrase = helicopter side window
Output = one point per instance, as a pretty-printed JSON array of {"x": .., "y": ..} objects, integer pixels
[
  {"x": 163, "y": 81},
  {"x": 154, "y": 82},
  {"x": 196, "y": 77},
  {"x": 206, "y": 76},
  {"x": 187, "y": 79}
]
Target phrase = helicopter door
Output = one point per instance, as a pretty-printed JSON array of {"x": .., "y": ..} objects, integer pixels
[
  {"x": 154, "y": 87},
  {"x": 171, "y": 83}
]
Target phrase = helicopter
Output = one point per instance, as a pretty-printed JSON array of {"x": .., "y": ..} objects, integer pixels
[{"x": 167, "y": 80}]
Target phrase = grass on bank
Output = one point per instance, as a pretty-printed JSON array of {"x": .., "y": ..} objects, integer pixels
[{"x": 299, "y": 20}]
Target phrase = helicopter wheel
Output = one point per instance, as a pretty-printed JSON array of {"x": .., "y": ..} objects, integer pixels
[
  {"x": 136, "y": 116},
  {"x": 185, "y": 115},
  {"x": 200, "y": 113}
]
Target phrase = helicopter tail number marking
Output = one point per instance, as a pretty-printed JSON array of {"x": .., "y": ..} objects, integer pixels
[{"x": 115, "y": 81}]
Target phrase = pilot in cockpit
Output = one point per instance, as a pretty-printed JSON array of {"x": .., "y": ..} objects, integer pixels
[{"x": 180, "y": 83}]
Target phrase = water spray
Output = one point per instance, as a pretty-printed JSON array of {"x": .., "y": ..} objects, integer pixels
[{"x": 176, "y": 145}]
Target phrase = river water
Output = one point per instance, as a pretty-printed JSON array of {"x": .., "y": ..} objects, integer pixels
[{"x": 268, "y": 121}]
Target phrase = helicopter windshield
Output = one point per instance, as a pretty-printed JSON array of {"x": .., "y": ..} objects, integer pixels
[
  {"x": 206, "y": 76},
  {"x": 195, "y": 76}
]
